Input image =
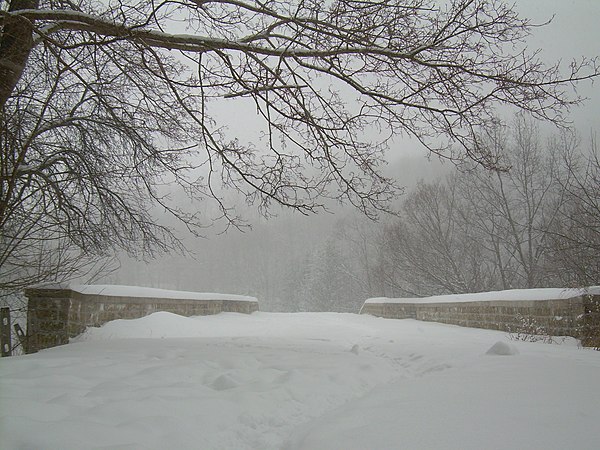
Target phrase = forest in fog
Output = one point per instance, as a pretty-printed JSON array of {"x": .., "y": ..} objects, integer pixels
[
  {"x": 460, "y": 228},
  {"x": 297, "y": 155}
]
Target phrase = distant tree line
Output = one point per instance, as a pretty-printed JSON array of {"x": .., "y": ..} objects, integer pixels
[
  {"x": 106, "y": 108},
  {"x": 534, "y": 222}
]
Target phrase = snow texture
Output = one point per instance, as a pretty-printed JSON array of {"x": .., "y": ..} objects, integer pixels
[
  {"x": 298, "y": 381},
  {"x": 508, "y": 295}
]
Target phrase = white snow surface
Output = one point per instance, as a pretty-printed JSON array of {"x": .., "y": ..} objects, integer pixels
[
  {"x": 299, "y": 381},
  {"x": 113, "y": 290},
  {"x": 508, "y": 295}
]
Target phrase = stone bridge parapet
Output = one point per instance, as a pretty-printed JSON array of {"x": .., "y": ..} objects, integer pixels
[
  {"x": 58, "y": 312},
  {"x": 559, "y": 312}
]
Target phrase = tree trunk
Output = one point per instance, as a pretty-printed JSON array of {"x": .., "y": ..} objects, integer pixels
[{"x": 16, "y": 42}]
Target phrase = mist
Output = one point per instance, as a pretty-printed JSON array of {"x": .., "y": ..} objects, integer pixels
[
  {"x": 292, "y": 262},
  {"x": 281, "y": 259}
]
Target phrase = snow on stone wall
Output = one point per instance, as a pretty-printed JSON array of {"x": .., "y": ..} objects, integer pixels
[
  {"x": 560, "y": 312},
  {"x": 61, "y": 311}
]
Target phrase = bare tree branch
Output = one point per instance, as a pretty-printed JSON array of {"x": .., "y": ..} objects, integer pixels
[{"x": 104, "y": 107}]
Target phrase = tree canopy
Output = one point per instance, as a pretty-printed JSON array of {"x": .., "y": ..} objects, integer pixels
[{"x": 103, "y": 103}]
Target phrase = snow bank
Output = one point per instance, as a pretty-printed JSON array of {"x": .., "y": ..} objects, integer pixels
[{"x": 508, "y": 295}]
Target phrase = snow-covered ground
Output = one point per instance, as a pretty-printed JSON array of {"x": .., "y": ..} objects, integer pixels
[{"x": 299, "y": 381}]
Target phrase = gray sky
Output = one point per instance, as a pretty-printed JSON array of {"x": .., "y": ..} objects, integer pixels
[{"x": 574, "y": 32}]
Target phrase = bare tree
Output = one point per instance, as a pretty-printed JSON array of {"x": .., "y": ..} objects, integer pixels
[
  {"x": 433, "y": 247},
  {"x": 574, "y": 240},
  {"x": 514, "y": 209},
  {"x": 71, "y": 182},
  {"x": 483, "y": 230},
  {"x": 358, "y": 241},
  {"x": 104, "y": 103}
]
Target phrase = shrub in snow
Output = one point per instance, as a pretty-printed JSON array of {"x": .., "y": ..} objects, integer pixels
[
  {"x": 589, "y": 323},
  {"x": 528, "y": 329}
]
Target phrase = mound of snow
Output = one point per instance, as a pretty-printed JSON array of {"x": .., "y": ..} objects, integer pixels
[
  {"x": 224, "y": 382},
  {"x": 502, "y": 348},
  {"x": 157, "y": 325}
]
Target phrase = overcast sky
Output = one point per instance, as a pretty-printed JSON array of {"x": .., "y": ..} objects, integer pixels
[{"x": 573, "y": 32}]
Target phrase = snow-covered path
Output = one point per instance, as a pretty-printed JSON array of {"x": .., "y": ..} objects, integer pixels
[{"x": 298, "y": 381}]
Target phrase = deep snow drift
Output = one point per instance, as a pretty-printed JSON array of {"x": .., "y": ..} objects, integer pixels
[{"x": 299, "y": 381}]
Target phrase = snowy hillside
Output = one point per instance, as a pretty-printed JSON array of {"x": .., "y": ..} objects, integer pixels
[{"x": 299, "y": 381}]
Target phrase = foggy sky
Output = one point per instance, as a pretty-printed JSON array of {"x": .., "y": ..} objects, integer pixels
[{"x": 572, "y": 33}]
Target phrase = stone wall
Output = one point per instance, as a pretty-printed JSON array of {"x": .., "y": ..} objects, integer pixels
[
  {"x": 57, "y": 313},
  {"x": 577, "y": 316}
]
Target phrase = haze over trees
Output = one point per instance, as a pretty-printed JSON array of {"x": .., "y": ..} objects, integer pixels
[
  {"x": 481, "y": 230},
  {"x": 536, "y": 224},
  {"x": 107, "y": 107}
]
